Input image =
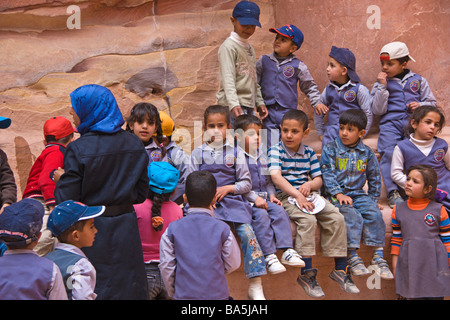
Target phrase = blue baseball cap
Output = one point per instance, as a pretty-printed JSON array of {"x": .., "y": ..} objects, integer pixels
[
  {"x": 4, "y": 122},
  {"x": 65, "y": 214},
  {"x": 21, "y": 221},
  {"x": 247, "y": 13},
  {"x": 163, "y": 177},
  {"x": 292, "y": 32},
  {"x": 345, "y": 57}
]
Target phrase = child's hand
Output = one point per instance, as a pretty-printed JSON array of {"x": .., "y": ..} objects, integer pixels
[
  {"x": 237, "y": 111},
  {"x": 275, "y": 200},
  {"x": 57, "y": 174},
  {"x": 262, "y": 111},
  {"x": 321, "y": 109},
  {"x": 379, "y": 206},
  {"x": 261, "y": 203},
  {"x": 304, "y": 204},
  {"x": 413, "y": 105},
  {"x": 305, "y": 189},
  {"x": 381, "y": 78},
  {"x": 223, "y": 191},
  {"x": 343, "y": 199}
]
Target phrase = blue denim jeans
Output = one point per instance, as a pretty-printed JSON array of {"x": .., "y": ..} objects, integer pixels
[
  {"x": 156, "y": 288},
  {"x": 364, "y": 219},
  {"x": 254, "y": 263}
]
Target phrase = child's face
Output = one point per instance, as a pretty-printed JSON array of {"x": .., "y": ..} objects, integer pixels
[
  {"x": 415, "y": 186},
  {"x": 350, "y": 135},
  {"x": 250, "y": 141},
  {"x": 216, "y": 127},
  {"x": 244, "y": 31},
  {"x": 292, "y": 134},
  {"x": 86, "y": 236},
  {"x": 428, "y": 126},
  {"x": 392, "y": 67},
  {"x": 336, "y": 72},
  {"x": 144, "y": 130},
  {"x": 283, "y": 46}
]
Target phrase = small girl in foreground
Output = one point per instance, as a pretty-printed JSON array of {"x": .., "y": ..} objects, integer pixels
[{"x": 421, "y": 239}]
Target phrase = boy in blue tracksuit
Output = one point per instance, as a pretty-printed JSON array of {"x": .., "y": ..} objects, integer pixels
[
  {"x": 198, "y": 250},
  {"x": 278, "y": 75},
  {"x": 397, "y": 92},
  {"x": 347, "y": 164}
]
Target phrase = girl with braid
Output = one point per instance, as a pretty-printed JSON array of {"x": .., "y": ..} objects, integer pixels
[{"x": 154, "y": 215}]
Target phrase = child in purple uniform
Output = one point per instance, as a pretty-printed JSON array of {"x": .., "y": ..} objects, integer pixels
[
  {"x": 270, "y": 221},
  {"x": 423, "y": 147}
]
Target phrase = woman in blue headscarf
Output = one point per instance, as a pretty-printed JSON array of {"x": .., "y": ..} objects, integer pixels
[{"x": 108, "y": 166}]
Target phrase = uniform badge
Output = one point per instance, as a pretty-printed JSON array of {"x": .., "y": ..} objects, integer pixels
[
  {"x": 350, "y": 96},
  {"x": 429, "y": 219},
  {"x": 155, "y": 155},
  {"x": 414, "y": 85},
  {"x": 229, "y": 160},
  {"x": 288, "y": 71},
  {"x": 439, "y": 155}
]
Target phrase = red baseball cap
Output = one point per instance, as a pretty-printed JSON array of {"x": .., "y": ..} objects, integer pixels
[{"x": 59, "y": 127}]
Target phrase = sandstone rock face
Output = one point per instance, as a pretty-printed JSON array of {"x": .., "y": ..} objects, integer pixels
[{"x": 165, "y": 52}]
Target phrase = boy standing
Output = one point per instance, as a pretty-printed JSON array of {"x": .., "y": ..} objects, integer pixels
[
  {"x": 278, "y": 75},
  {"x": 23, "y": 274},
  {"x": 239, "y": 89},
  {"x": 73, "y": 224},
  {"x": 8, "y": 188},
  {"x": 397, "y": 92},
  {"x": 58, "y": 133},
  {"x": 291, "y": 164},
  {"x": 193, "y": 264},
  {"x": 347, "y": 164}
]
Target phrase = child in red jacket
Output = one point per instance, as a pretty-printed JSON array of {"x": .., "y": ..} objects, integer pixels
[{"x": 58, "y": 132}]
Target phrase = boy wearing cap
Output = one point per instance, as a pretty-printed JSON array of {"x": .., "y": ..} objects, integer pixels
[
  {"x": 344, "y": 92},
  {"x": 278, "y": 75},
  {"x": 23, "y": 274},
  {"x": 397, "y": 92},
  {"x": 239, "y": 89},
  {"x": 58, "y": 133},
  {"x": 8, "y": 188},
  {"x": 198, "y": 250},
  {"x": 73, "y": 224}
]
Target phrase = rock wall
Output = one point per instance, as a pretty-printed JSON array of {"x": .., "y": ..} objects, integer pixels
[{"x": 165, "y": 52}]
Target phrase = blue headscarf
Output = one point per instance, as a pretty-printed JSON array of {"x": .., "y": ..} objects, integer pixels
[{"x": 97, "y": 109}]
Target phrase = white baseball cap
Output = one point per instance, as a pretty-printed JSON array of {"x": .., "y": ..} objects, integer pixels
[{"x": 396, "y": 50}]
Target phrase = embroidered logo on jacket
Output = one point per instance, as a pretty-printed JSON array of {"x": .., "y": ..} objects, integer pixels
[
  {"x": 414, "y": 85},
  {"x": 350, "y": 96},
  {"x": 288, "y": 71},
  {"x": 439, "y": 155}
]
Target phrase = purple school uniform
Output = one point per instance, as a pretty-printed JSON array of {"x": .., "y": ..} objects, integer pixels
[
  {"x": 422, "y": 267},
  {"x": 413, "y": 156},
  {"x": 222, "y": 163},
  {"x": 29, "y": 282},
  {"x": 272, "y": 227}
]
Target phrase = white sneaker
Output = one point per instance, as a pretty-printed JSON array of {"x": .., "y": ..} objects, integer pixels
[
  {"x": 292, "y": 258},
  {"x": 273, "y": 265}
]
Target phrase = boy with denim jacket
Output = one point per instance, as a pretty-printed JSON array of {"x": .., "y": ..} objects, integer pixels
[{"x": 346, "y": 165}]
